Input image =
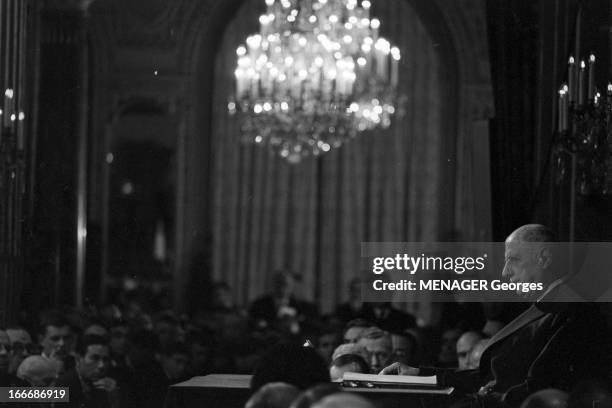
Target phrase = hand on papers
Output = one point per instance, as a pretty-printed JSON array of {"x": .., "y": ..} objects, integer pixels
[{"x": 399, "y": 369}]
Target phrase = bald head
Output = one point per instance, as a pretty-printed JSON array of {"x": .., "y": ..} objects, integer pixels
[
  {"x": 343, "y": 400},
  {"x": 37, "y": 371},
  {"x": 529, "y": 258},
  {"x": 273, "y": 395},
  {"x": 532, "y": 233},
  {"x": 548, "y": 398},
  {"x": 465, "y": 344}
]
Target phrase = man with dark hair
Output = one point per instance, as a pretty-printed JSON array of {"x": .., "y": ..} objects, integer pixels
[
  {"x": 55, "y": 336},
  {"x": 550, "y": 345},
  {"x": 89, "y": 383},
  {"x": 281, "y": 310},
  {"x": 174, "y": 360}
]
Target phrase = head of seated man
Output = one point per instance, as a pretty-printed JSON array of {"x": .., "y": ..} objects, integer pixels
[
  {"x": 21, "y": 343},
  {"x": 314, "y": 394},
  {"x": 343, "y": 400},
  {"x": 476, "y": 353},
  {"x": 38, "y": 371},
  {"x": 465, "y": 344},
  {"x": 93, "y": 359},
  {"x": 377, "y": 346},
  {"x": 530, "y": 258},
  {"x": 405, "y": 347},
  {"x": 96, "y": 328},
  {"x": 347, "y": 363},
  {"x": 353, "y": 329},
  {"x": 174, "y": 360},
  {"x": 55, "y": 336},
  {"x": 547, "y": 398},
  {"x": 273, "y": 395}
]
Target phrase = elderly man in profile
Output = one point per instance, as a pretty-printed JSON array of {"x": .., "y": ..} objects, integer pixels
[{"x": 550, "y": 345}]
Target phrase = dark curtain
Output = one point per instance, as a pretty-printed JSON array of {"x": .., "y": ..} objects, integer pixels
[{"x": 513, "y": 43}]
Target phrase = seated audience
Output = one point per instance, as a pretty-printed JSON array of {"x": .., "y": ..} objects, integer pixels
[
  {"x": 377, "y": 346},
  {"x": 465, "y": 344},
  {"x": 89, "y": 383},
  {"x": 314, "y": 394},
  {"x": 273, "y": 395},
  {"x": 37, "y": 371},
  {"x": 290, "y": 363},
  {"x": 347, "y": 363}
]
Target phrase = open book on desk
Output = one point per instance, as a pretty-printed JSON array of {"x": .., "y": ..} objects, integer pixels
[{"x": 412, "y": 383}]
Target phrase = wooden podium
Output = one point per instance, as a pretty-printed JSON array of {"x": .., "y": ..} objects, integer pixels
[{"x": 232, "y": 391}]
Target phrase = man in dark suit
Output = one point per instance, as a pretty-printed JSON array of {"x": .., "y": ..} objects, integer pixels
[
  {"x": 280, "y": 310},
  {"x": 89, "y": 384},
  {"x": 550, "y": 345}
]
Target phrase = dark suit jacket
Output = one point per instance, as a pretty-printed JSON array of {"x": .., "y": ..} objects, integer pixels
[
  {"x": 549, "y": 345},
  {"x": 80, "y": 399},
  {"x": 393, "y": 320},
  {"x": 264, "y": 308}
]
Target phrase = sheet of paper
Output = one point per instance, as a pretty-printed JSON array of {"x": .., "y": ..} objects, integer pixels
[{"x": 392, "y": 379}]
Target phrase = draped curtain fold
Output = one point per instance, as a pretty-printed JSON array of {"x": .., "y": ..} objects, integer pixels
[{"x": 312, "y": 217}]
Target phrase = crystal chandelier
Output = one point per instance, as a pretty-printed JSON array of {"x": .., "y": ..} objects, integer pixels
[{"x": 315, "y": 75}]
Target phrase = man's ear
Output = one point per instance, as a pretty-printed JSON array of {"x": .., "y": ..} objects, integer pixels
[{"x": 544, "y": 257}]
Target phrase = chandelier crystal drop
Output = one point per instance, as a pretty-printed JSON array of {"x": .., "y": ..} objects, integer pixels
[{"x": 315, "y": 75}]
